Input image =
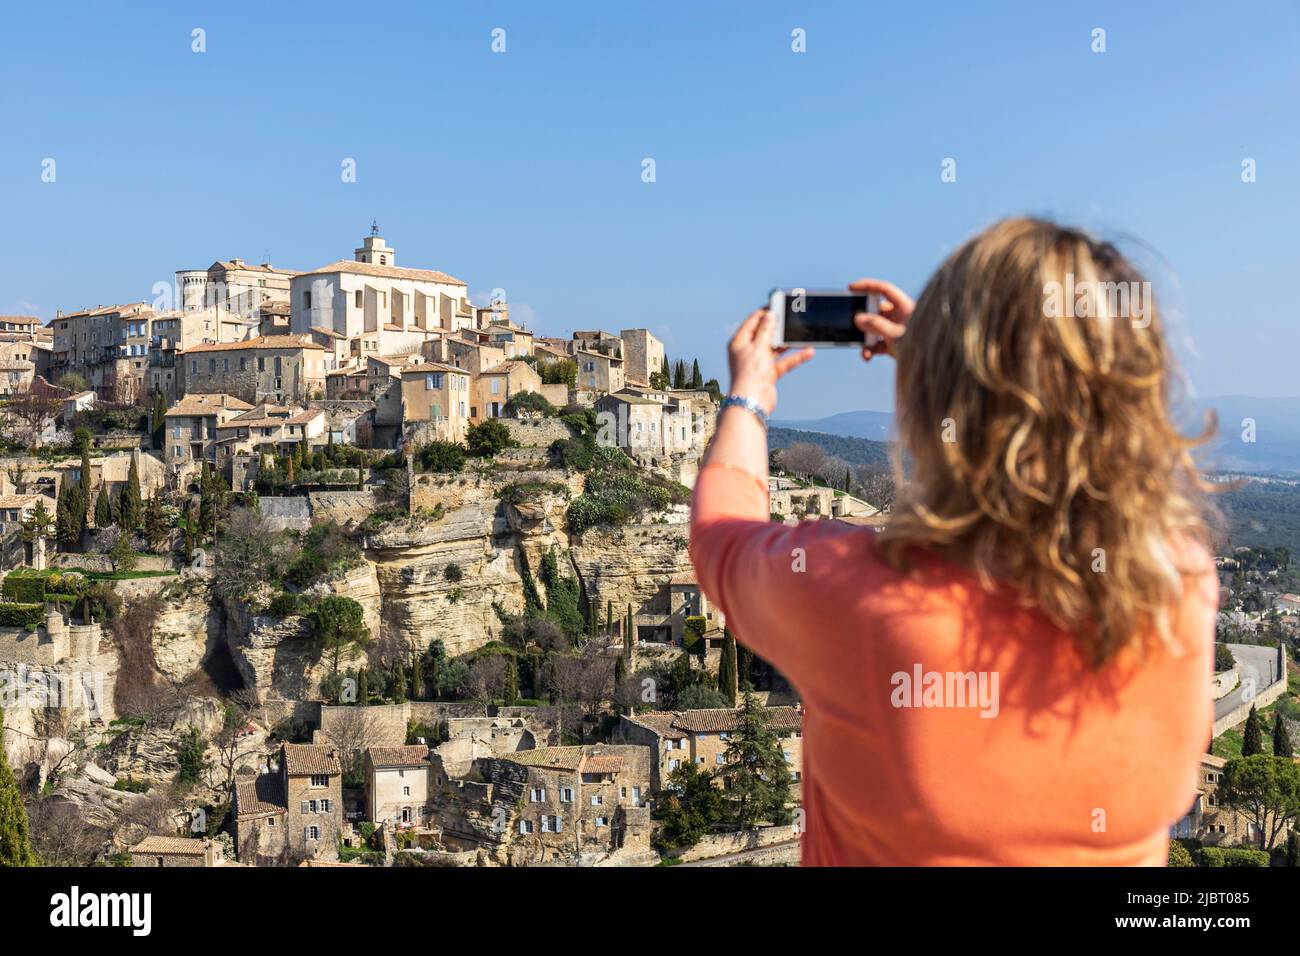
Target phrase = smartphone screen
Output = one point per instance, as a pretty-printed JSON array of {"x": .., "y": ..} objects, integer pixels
[{"x": 823, "y": 317}]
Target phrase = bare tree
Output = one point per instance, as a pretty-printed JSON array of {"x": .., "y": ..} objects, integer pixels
[
  {"x": 233, "y": 741},
  {"x": 350, "y": 733},
  {"x": 486, "y": 680},
  {"x": 61, "y": 835},
  {"x": 803, "y": 459},
  {"x": 33, "y": 407},
  {"x": 877, "y": 485}
]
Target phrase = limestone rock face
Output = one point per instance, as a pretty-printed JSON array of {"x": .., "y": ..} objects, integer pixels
[
  {"x": 360, "y": 583},
  {"x": 191, "y": 623},
  {"x": 422, "y": 602},
  {"x": 275, "y": 657},
  {"x": 633, "y": 563},
  {"x": 151, "y": 752}
]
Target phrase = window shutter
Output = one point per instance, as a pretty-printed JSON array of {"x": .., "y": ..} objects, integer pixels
[
  {"x": 304, "y": 807},
  {"x": 306, "y": 833}
]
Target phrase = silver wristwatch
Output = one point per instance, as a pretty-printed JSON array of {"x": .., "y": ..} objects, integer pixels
[{"x": 749, "y": 404}]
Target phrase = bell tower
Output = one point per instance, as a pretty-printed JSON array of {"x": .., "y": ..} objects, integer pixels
[{"x": 374, "y": 250}]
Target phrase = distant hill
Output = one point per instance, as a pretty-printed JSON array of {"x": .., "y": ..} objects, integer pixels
[
  {"x": 861, "y": 424},
  {"x": 856, "y": 451},
  {"x": 1275, "y": 449}
]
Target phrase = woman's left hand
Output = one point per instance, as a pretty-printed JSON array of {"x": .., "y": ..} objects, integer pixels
[{"x": 755, "y": 365}]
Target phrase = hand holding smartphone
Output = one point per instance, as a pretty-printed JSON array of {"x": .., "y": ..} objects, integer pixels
[{"x": 820, "y": 319}]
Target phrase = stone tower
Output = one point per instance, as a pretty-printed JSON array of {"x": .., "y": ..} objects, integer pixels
[{"x": 374, "y": 250}]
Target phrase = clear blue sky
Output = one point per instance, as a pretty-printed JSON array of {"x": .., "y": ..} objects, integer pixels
[{"x": 522, "y": 170}]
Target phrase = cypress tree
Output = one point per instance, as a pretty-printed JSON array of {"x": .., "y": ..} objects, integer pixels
[
  {"x": 620, "y": 670},
  {"x": 756, "y": 775},
  {"x": 609, "y": 614},
  {"x": 103, "y": 514},
  {"x": 1253, "y": 740},
  {"x": 83, "y": 517},
  {"x": 664, "y": 369},
  {"x": 15, "y": 848},
  {"x": 679, "y": 374},
  {"x": 510, "y": 692},
  {"x": 1293, "y": 849},
  {"x": 363, "y": 687},
  {"x": 399, "y": 684},
  {"x": 159, "y": 423},
  {"x": 129, "y": 509},
  {"x": 417, "y": 677},
  {"x": 627, "y": 632},
  {"x": 727, "y": 683},
  {"x": 1281, "y": 737},
  {"x": 697, "y": 380},
  {"x": 155, "y": 525}
]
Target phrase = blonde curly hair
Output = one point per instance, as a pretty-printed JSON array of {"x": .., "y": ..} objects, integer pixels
[{"x": 1036, "y": 440}]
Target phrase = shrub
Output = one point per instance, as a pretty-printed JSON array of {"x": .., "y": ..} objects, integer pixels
[
  {"x": 453, "y": 573},
  {"x": 615, "y": 492},
  {"x": 1223, "y": 659},
  {"x": 29, "y": 616},
  {"x": 487, "y": 438},
  {"x": 1178, "y": 855},
  {"x": 22, "y": 589},
  {"x": 287, "y": 604},
  {"x": 441, "y": 456},
  {"x": 529, "y": 402},
  {"x": 326, "y": 548},
  {"x": 694, "y": 630}
]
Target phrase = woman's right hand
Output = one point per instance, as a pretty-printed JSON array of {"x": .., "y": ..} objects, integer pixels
[{"x": 882, "y": 330}]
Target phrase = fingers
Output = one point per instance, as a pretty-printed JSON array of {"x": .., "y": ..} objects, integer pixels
[
  {"x": 789, "y": 361},
  {"x": 893, "y": 295},
  {"x": 871, "y": 323},
  {"x": 749, "y": 328}
]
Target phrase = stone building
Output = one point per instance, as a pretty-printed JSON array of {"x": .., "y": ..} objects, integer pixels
[
  {"x": 108, "y": 346},
  {"x": 276, "y": 368},
  {"x": 495, "y": 386},
  {"x": 438, "y": 396},
  {"x": 600, "y": 372},
  {"x": 295, "y": 810},
  {"x": 192, "y": 432},
  {"x": 643, "y": 355},
  {"x": 701, "y": 737},
  {"x": 397, "y": 785},
  {"x": 233, "y": 287},
  {"x": 371, "y": 295},
  {"x": 173, "y": 851}
]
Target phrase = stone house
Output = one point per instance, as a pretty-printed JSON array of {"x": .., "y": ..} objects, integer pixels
[
  {"x": 108, "y": 346},
  {"x": 494, "y": 387},
  {"x": 514, "y": 340},
  {"x": 397, "y": 785},
  {"x": 701, "y": 737},
  {"x": 1210, "y": 821},
  {"x": 571, "y": 804},
  {"x": 270, "y": 426},
  {"x": 191, "y": 433},
  {"x": 438, "y": 395},
  {"x": 14, "y": 328},
  {"x": 274, "y": 368},
  {"x": 234, "y": 287},
  {"x": 16, "y": 376},
  {"x": 172, "y": 851},
  {"x": 643, "y": 354},
  {"x": 598, "y": 371},
  {"x": 294, "y": 810}
]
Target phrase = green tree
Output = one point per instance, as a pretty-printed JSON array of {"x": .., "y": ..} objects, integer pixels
[
  {"x": 727, "y": 683},
  {"x": 1178, "y": 855},
  {"x": 1281, "y": 737},
  {"x": 1253, "y": 740},
  {"x": 510, "y": 684},
  {"x": 1264, "y": 788},
  {"x": 129, "y": 509},
  {"x": 67, "y": 522},
  {"x": 15, "y": 847},
  {"x": 697, "y": 380},
  {"x": 440, "y": 456},
  {"x": 103, "y": 513},
  {"x": 158, "y": 421},
  {"x": 122, "y": 553},
  {"x": 189, "y": 756},
  {"x": 417, "y": 678},
  {"x": 39, "y": 523},
  {"x": 363, "y": 687},
  {"x": 689, "y": 808},
  {"x": 679, "y": 374},
  {"x": 155, "y": 524},
  {"x": 620, "y": 670},
  {"x": 487, "y": 438},
  {"x": 629, "y": 632},
  {"x": 756, "y": 775},
  {"x": 84, "y": 483},
  {"x": 338, "y": 624},
  {"x": 399, "y": 684},
  {"x": 1292, "y": 857}
]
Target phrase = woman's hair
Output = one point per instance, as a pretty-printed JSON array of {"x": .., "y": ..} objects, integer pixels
[{"x": 1033, "y": 411}]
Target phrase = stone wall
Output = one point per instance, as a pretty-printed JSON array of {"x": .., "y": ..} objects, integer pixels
[
  {"x": 536, "y": 432},
  {"x": 291, "y": 512},
  {"x": 723, "y": 844},
  {"x": 341, "y": 506}
]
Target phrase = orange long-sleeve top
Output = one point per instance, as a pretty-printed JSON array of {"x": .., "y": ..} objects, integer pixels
[{"x": 1053, "y": 764}]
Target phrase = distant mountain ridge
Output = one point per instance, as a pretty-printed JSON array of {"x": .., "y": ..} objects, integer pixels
[{"x": 1255, "y": 435}]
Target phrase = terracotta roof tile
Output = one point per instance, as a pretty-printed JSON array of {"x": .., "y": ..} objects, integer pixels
[
  {"x": 411, "y": 755},
  {"x": 260, "y": 794},
  {"x": 260, "y": 342},
  {"x": 385, "y": 272},
  {"x": 170, "y": 845},
  {"x": 303, "y": 760}
]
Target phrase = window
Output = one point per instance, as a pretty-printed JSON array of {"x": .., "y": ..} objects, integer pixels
[
  {"x": 261, "y": 364},
  {"x": 406, "y": 791},
  {"x": 243, "y": 363},
  {"x": 636, "y": 796},
  {"x": 320, "y": 780},
  {"x": 566, "y": 794},
  {"x": 496, "y": 386},
  {"x": 433, "y": 381},
  {"x": 194, "y": 366},
  {"x": 358, "y": 299},
  {"x": 674, "y": 764},
  {"x": 176, "y": 432},
  {"x": 525, "y": 826},
  {"x": 720, "y": 759},
  {"x": 724, "y": 736},
  {"x": 597, "y": 800},
  {"x": 313, "y": 833},
  {"x": 602, "y": 822},
  {"x": 212, "y": 366},
  {"x": 536, "y": 794},
  {"x": 326, "y": 806},
  {"x": 225, "y": 365},
  {"x": 306, "y": 300}
]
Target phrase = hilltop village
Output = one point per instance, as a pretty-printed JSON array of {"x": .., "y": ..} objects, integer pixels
[{"x": 339, "y": 568}]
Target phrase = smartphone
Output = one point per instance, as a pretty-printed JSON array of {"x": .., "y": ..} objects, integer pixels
[{"x": 822, "y": 319}]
